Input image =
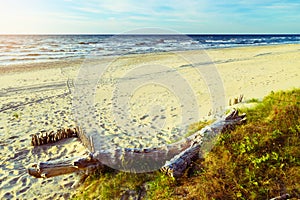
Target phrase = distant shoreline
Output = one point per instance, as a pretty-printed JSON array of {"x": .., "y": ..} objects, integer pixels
[
  {"x": 23, "y": 49},
  {"x": 77, "y": 62}
]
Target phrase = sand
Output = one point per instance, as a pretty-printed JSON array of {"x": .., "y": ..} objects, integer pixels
[{"x": 128, "y": 106}]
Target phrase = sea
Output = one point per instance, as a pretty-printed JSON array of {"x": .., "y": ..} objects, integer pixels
[{"x": 19, "y": 49}]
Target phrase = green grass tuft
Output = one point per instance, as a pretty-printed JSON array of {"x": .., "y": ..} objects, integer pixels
[
  {"x": 253, "y": 100},
  {"x": 16, "y": 115}
]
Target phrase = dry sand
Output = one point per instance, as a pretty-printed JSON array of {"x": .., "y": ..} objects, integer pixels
[{"x": 39, "y": 97}]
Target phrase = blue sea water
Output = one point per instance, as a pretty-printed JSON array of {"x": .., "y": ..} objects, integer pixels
[{"x": 16, "y": 49}]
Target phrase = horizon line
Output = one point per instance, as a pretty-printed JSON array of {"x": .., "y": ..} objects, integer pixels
[{"x": 109, "y": 34}]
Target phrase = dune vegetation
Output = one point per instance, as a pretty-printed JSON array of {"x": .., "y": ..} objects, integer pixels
[{"x": 258, "y": 160}]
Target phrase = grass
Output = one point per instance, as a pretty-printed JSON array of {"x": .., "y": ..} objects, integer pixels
[
  {"x": 258, "y": 160},
  {"x": 16, "y": 115},
  {"x": 112, "y": 185},
  {"x": 193, "y": 128},
  {"x": 253, "y": 100}
]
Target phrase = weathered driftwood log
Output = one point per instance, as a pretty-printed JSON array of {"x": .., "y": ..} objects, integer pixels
[
  {"x": 172, "y": 159},
  {"x": 177, "y": 165},
  {"x": 65, "y": 166}
]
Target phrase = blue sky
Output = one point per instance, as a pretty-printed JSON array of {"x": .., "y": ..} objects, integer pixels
[{"x": 118, "y": 16}]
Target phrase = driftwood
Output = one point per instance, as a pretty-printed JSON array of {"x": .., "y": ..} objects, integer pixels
[
  {"x": 47, "y": 138},
  {"x": 65, "y": 166},
  {"x": 172, "y": 159},
  {"x": 176, "y": 166}
]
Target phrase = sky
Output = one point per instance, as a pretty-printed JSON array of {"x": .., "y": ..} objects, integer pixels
[{"x": 119, "y": 16}]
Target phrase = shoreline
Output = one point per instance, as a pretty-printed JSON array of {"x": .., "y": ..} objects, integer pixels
[
  {"x": 33, "y": 96},
  {"x": 21, "y": 67}
]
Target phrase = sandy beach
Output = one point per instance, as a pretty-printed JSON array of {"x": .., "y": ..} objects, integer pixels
[{"x": 40, "y": 96}]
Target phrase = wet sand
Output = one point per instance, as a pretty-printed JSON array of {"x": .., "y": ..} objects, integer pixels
[{"x": 40, "y": 97}]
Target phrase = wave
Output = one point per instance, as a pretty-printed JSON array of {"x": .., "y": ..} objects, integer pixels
[{"x": 17, "y": 48}]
